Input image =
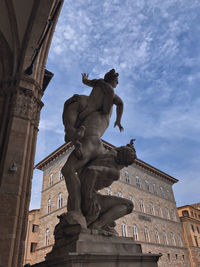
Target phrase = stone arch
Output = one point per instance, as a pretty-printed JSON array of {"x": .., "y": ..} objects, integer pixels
[{"x": 21, "y": 25}]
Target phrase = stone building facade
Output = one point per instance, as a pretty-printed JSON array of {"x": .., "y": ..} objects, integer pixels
[
  {"x": 32, "y": 237},
  {"x": 190, "y": 219},
  {"x": 154, "y": 221}
]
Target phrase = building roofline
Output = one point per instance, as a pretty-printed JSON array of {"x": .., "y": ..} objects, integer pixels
[
  {"x": 33, "y": 210},
  {"x": 189, "y": 205},
  {"x": 109, "y": 146}
]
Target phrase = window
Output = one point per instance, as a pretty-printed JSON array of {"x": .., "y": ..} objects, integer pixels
[
  {"x": 179, "y": 241},
  {"x": 151, "y": 209},
  {"x": 33, "y": 247},
  {"x": 168, "y": 255},
  {"x": 165, "y": 238},
  {"x": 127, "y": 177},
  {"x": 176, "y": 255},
  {"x": 162, "y": 192},
  {"x": 51, "y": 179},
  {"x": 166, "y": 212},
  {"x": 138, "y": 182},
  {"x": 196, "y": 241},
  {"x": 60, "y": 175},
  {"x": 173, "y": 215},
  {"x": 192, "y": 226},
  {"x": 49, "y": 205},
  {"x": 135, "y": 233},
  {"x": 60, "y": 201},
  {"x": 169, "y": 195},
  {"x": 172, "y": 239},
  {"x": 155, "y": 189},
  {"x": 35, "y": 228},
  {"x": 146, "y": 234},
  {"x": 47, "y": 237},
  {"x": 147, "y": 185},
  {"x": 185, "y": 213},
  {"x": 183, "y": 256},
  {"x": 119, "y": 194},
  {"x": 156, "y": 236},
  {"x": 130, "y": 198},
  {"x": 108, "y": 191},
  {"x": 141, "y": 205},
  {"x": 198, "y": 229},
  {"x": 159, "y": 210},
  {"x": 123, "y": 229}
]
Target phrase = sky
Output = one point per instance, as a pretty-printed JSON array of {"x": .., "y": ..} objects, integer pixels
[{"x": 155, "y": 47}]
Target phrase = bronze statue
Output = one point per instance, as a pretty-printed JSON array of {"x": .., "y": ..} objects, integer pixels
[{"x": 90, "y": 166}]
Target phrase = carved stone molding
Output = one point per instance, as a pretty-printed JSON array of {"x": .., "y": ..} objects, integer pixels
[{"x": 26, "y": 106}]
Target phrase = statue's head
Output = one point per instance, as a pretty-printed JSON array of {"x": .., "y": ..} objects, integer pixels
[
  {"x": 126, "y": 155},
  {"x": 111, "y": 77}
]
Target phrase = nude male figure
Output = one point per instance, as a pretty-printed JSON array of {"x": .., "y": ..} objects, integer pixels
[
  {"x": 101, "y": 98},
  {"x": 101, "y": 210},
  {"x": 94, "y": 124}
]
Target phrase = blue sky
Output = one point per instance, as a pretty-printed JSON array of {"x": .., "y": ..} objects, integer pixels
[{"x": 155, "y": 47}]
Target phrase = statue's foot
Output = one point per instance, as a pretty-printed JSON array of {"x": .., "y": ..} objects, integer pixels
[
  {"x": 73, "y": 217},
  {"x": 111, "y": 230}
]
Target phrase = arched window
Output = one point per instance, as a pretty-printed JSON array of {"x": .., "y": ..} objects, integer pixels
[
  {"x": 135, "y": 232},
  {"x": 172, "y": 239},
  {"x": 173, "y": 215},
  {"x": 60, "y": 200},
  {"x": 47, "y": 233},
  {"x": 155, "y": 189},
  {"x": 51, "y": 179},
  {"x": 147, "y": 185},
  {"x": 130, "y": 198},
  {"x": 49, "y": 205},
  {"x": 164, "y": 238},
  {"x": 108, "y": 191},
  {"x": 60, "y": 175},
  {"x": 127, "y": 177},
  {"x": 141, "y": 205},
  {"x": 119, "y": 194},
  {"x": 157, "y": 239},
  {"x": 146, "y": 234},
  {"x": 151, "y": 208},
  {"x": 138, "y": 182},
  {"x": 123, "y": 229},
  {"x": 179, "y": 240},
  {"x": 166, "y": 212},
  {"x": 162, "y": 192},
  {"x": 169, "y": 195},
  {"x": 159, "y": 210}
]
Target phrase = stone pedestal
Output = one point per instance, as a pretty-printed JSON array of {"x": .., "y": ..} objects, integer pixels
[{"x": 93, "y": 250}]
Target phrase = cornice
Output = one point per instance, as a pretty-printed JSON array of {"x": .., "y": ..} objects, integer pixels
[{"x": 138, "y": 162}]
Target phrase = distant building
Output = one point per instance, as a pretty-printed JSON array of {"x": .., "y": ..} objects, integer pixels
[
  {"x": 190, "y": 218},
  {"x": 32, "y": 237},
  {"x": 154, "y": 221}
]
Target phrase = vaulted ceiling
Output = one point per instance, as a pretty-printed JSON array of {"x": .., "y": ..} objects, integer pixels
[{"x": 22, "y": 23}]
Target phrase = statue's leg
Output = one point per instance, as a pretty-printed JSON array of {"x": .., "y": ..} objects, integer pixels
[
  {"x": 69, "y": 171},
  {"x": 72, "y": 181},
  {"x": 112, "y": 208}
]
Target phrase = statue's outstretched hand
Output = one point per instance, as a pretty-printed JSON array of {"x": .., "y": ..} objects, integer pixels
[
  {"x": 119, "y": 125},
  {"x": 84, "y": 76}
]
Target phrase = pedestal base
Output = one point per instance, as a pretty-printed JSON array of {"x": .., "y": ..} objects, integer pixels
[{"x": 90, "y": 250}]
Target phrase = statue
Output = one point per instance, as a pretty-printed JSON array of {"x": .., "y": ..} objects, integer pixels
[{"x": 90, "y": 166}]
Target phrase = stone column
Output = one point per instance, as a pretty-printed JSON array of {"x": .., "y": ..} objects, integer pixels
[
  {"x": 20, "y": 105},
  {"x": 22, "y": 98}
]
